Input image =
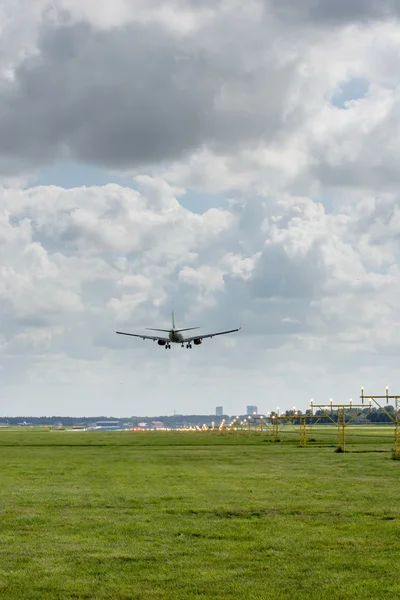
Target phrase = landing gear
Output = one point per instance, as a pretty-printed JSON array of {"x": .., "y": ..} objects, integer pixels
[
  {"x": 168, "y": 346},
  {"x": 189, "y": 346}
]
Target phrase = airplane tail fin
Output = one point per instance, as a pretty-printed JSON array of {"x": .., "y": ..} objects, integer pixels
[{"x": 173, "y": 320}]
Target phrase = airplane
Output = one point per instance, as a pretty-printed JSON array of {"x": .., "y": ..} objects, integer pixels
[{"x": 174, "y": 336}]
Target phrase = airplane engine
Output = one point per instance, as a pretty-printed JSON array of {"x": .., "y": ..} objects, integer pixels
[
  {"x": 197, "y": 342},
  {"x": 161, "y": 342}
]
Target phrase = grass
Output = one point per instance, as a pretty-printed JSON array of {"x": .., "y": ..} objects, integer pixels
[{"x": 111, "y": 515}]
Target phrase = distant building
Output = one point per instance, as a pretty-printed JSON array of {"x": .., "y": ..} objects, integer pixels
[
  {"x": 151, "y": 425},
  {"x": 219, "y": 411},
  {"x": 108, "y": 425},
  {"x": 251, "y": 410}
]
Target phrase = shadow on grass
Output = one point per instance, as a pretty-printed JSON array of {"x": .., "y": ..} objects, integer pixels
[{"x": 365, "y": 451}]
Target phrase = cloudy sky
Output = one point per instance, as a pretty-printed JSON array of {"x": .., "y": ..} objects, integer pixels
[{"x": 236, "y": 160}]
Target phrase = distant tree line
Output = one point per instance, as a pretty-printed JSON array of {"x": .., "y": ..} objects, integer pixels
[
  {"x": 365, "y": 416},
  {"x": 68, "y": 421}
]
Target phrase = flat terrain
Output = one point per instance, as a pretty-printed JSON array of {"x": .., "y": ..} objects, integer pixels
[{"x": 125, "y": 515}]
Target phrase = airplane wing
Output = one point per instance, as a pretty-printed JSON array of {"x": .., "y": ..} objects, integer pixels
[
  {"x": 144, "y": 337},
  {"x": 210, "y": 335}
]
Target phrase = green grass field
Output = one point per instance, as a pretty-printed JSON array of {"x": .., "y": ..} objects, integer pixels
[{"x": 127, "y": 515}]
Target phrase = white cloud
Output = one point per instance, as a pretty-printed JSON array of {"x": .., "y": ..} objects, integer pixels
[
  {"x": 306, "y": 288},
  {"x": 124, "y": 89},
  {"x": 318, "y": 145}
]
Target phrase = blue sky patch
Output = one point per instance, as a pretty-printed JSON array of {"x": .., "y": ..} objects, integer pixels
[
  {"x": 198, "y": 202},
  {"x": 354, "y": 89},
  {"x": 70, "y": 176},
  {"x": 74, "y": 175}
]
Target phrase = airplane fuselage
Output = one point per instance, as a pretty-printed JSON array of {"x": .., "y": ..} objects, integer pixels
[{"x": 175, "y": 337}]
